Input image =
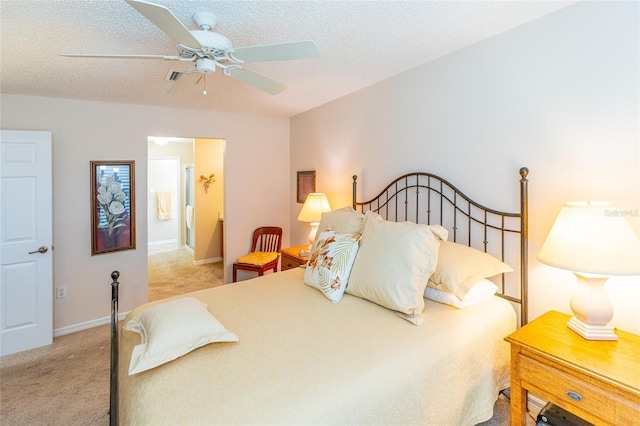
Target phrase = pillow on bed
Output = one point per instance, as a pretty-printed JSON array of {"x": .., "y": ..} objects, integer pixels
[
  {"x": 330, "y": 262},
  {"x": 480, "y": 291},
  {"x": 345, "y": 220},
  {"x": 172, "y": 329},
  {"x": 460, "y": 267},
  {"x": 393, "y": 265},
  {"x": 440, "y": 232}
]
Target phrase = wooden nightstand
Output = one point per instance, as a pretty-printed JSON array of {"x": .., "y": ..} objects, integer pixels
[
  {"x": 290, "y": 257},
  {"x": 598, "y": 381}
]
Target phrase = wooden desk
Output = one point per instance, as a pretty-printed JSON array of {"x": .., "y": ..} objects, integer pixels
[
  {"x": 290, "y": 257},
  {"x": 598, "y": 381}
]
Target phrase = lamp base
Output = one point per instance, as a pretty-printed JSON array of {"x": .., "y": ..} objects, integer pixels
[
  {"x": 592, "y": 309},
  {"x": 312, "y": 233},
  {"x": 591, "y": 331}
]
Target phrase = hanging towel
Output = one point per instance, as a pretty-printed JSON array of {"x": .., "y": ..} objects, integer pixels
[
  {"x": 165, "y": 204},
  {"x": 188, "y": 215}
]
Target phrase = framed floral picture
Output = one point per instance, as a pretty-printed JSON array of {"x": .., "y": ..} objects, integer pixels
[{"x": 113, "y": 210}]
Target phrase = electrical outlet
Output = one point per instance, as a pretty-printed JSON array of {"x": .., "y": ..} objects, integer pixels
[{"x": 61, "y": 292}]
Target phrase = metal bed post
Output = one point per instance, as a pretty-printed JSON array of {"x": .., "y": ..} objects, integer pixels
[
  {"x": 355, "y": 178},
  {"x": 113, "y": 391},
  {"x": 524, "y": 238}
]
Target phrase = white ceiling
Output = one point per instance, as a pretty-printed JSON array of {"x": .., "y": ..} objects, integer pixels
[{"x": 360, "y": 43}]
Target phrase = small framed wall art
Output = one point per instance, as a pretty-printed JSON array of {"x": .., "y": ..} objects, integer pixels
[
  {"x": 306, "y": 184},
  {"x": 113, "y": 209}
]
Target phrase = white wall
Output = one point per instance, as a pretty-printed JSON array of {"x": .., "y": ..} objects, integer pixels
[
  {"x": 256, "y": 187},
  {"x": 183, "y": 151},
  {"x": 163, "y": 175},
  {"x": 559, "y": 95}
]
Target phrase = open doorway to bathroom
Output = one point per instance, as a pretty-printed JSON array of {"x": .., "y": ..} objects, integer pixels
[{"x": 185, "y": 219}]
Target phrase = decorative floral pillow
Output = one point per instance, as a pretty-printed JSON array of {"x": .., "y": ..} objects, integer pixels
[{"x": 330, "y": 262}]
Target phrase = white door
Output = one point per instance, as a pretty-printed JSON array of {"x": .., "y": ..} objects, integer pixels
[{"x": 26, "y": 293}]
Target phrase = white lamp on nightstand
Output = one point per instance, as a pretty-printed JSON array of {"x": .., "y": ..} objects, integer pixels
[
  {"x": 314, "y": 205},
  {"x": 594, "y": 241}
]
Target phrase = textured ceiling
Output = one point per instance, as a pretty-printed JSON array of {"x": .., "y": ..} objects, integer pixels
[{"x": 360, "y": 43}]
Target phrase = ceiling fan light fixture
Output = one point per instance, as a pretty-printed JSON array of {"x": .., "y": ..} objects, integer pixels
[{"x": 206, "y": 66}]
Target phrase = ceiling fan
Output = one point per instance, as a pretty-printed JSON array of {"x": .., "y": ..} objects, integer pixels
[{"x": 210, "y": 50}]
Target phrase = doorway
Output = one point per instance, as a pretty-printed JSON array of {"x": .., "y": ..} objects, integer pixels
[{"x": 198, "y": 207}]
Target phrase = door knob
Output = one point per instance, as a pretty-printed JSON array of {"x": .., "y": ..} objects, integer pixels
[{"x": 42, "y": 249}]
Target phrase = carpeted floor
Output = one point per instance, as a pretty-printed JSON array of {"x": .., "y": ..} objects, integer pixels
[
  {"x": 67, "y": 383},
  {"x": 172, "y": 272}
]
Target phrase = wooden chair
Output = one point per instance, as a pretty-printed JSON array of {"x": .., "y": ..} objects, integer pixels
[{"x": 267, "y": 239}]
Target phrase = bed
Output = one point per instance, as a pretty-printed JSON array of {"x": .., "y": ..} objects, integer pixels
[{"x": 301, "y": 359}]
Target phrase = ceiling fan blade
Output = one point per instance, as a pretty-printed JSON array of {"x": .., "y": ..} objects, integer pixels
[
  {"x": 186, "y": 81},
  {"x": 162, "y": 18},
  {"x": 256, "y": 80},
  {"x": 277, "y": 52},
  {"x": 80, "y": 55}
]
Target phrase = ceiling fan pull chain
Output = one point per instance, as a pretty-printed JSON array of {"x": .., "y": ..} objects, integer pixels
[{"x": 204, "y": 84}]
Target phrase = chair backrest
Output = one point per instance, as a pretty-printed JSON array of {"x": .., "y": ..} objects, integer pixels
[{"x": 267, "y": 238}]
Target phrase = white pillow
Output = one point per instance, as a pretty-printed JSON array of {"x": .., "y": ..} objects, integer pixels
[
  {"x": 345, "y": 220},
  {"x": 480, "y": 291},
  {"x": 171, "y": 329},
  {"x": 330, "y": 262},
  {"x": 440, "y": 232},
  {"x": 393, "y": 265},
  {"x": 460, "y": 267}
]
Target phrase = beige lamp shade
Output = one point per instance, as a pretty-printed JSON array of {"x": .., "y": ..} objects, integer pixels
[
  {"x": 594, "y": 241},
  {"x": 592, "y": 238},
  {"x": 314, "y": 205}
]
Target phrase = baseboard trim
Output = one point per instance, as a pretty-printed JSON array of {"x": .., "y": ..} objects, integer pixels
[
  {"x": 534, "y": 403},
  {"x": 162, "y": 242},
  {"x": 87, "y": 325},
  {"x": 205, "y": 261}
]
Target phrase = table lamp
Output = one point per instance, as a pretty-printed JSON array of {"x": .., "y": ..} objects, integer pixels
[
  {"x": 594, "y": 241},
  {"x": 314, "y": 205}
]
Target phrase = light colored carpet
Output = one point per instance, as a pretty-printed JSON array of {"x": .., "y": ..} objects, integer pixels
[
  {"x": 172, "y": 272},
  {"x": 67, "y": 383}
]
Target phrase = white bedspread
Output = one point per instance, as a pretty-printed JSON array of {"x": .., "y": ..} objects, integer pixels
[{"x": 303, "y": 360}]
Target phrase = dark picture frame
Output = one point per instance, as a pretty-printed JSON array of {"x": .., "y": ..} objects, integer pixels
[
  {"x": 113, "y": 206},
  {"x": 306, "y": 183}
]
